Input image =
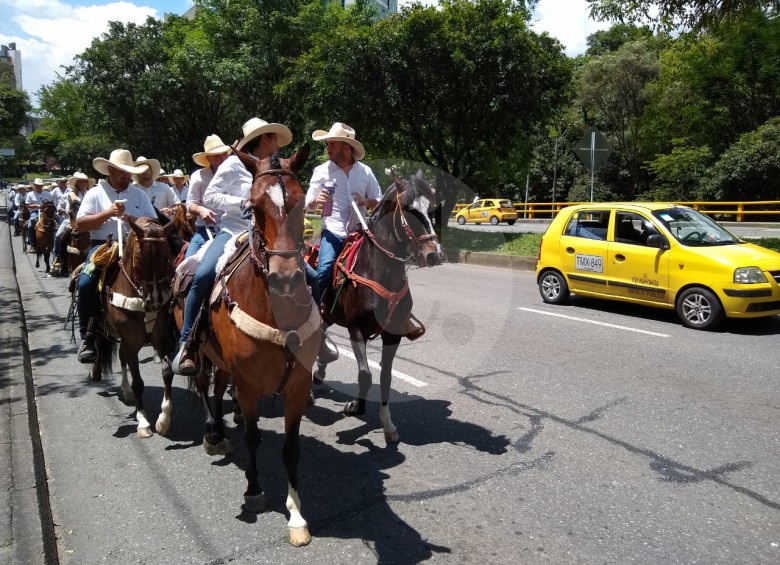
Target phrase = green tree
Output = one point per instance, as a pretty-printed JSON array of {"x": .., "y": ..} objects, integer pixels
[
  {"x": 678, "y": 175},
  {"x": 460, "y": 88},
  {"x": 14, "y": 105},
  {"x": 7, "y": 74},
  {"x": 77, "y": 154},
  {"x": 668, "y": 14},
  {"x": 612, "y": 39},
  {"x": 62, "y": 107}
]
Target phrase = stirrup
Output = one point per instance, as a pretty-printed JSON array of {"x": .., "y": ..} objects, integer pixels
[
  {"x": 328, "y": 353},
  {"x": 186, "y": 362},
  {"x": 414, "y": 328}
]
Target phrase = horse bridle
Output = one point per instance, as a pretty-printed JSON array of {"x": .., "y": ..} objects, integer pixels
[
  {"x": 143, "y": 283},
  {"x": 262, "y": 245}
]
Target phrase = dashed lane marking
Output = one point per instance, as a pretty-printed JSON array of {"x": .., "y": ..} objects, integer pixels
[{"x": 398, "y": 374}]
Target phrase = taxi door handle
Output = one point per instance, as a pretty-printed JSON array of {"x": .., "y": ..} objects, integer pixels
[
  {"x": 569, "y": 250},
  {"x": 620, "y": 257}
]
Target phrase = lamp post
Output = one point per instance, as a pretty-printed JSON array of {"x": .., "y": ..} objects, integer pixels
[{"x": 555, "y": 168}]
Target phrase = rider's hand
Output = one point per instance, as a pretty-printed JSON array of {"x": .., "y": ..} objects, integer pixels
[
  {"x": 207, "y": 215},
  {"x": 323, "y": 197}
]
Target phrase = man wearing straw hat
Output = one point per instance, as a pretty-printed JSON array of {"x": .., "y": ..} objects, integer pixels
[
  {"x": 77, "y": 187},
  {"x": 178, "y": 181},
  {"x": 112, "y": 198},
  {"x": 19, "y": 199},
  {"x": 34, "y": 200},
  {"x": 160, "y": 194},
  {"x": 229, "y": 192},
  {"x": 213, "y": 155}
]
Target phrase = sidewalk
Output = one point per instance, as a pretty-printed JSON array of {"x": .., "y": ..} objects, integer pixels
[{"x": 23, "y": 484}]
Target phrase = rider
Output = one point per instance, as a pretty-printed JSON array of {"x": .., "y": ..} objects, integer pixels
[
  {"x": 213, "y": 154},
  {"x": 34, "y": 201},
  {"x": 113, "y": 197},
  {"x": 78, "y": 185},
  {"x": 229, "y": 192},
  {"x": 178, "y": 181},
  {"x": 160, "y": 194}
]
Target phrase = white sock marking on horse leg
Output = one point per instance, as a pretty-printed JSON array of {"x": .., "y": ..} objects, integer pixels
[
  {"x": 127, "y": 391},
  {"x": 294, "y": 506},
  {"x": 387, "y": 422},
  {"x": 164, "y": 419},
  {"x": 143, "y": 421}
]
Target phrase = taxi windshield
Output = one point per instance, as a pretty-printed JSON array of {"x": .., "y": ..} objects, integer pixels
[{"x": 693, "y": 228}]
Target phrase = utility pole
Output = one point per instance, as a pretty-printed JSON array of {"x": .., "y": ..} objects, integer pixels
[{"x": 555, "y": 168}]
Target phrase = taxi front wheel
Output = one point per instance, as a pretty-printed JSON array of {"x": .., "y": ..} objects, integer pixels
[
  {"x": 700, "y": 309},
  {"x": 553, "y": 287},
  {"x": 461, "y": 220}
]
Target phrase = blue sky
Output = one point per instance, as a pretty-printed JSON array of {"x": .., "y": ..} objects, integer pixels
[{"x": 50, "y": 32}]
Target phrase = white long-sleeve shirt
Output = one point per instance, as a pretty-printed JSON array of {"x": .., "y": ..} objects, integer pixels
[
  {"x": 228, "y": 189},
  {"x": 199, "y": 181}
]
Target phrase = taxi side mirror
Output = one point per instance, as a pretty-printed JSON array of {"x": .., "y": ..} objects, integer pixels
[{"x": 657, "y": 240}]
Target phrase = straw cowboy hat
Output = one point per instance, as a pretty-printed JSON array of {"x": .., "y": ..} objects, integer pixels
[
  {"x": 341, "y": 132},
  {"x": 256, "y": 127},
  {"x": 120, "y": 159},
  {"x": 212, "y": 146},
  {"x": 153, "y": 164},
  {"x": 38, "y": 182},
  {"x": 77, "y": 176},
  {"x": 180, "y": 174}
]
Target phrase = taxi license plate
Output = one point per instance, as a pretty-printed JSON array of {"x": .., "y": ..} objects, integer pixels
[{"x": 593, "y": 263}]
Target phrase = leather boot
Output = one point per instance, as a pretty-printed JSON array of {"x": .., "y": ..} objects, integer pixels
[
  {"x": 87, "y": 353},
  {"x": 186, "y": 360},
  {"x": 326, "y": 354}
]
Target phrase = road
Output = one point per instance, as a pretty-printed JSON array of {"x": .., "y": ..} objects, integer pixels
[{"x": 585, "y": 433}]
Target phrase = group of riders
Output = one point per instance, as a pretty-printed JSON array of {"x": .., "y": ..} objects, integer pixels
[{"x": 217, "y": 196}]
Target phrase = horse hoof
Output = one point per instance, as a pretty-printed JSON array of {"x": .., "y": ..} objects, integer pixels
[
  {"x": 128, "y": 399},
  {"x": 144, "y": 433},
  {"x": 254, "y": 503},
  {"x": 96, "y": 377},
  {"x": 392, "y": 437},
  {"x": 355, "y": 408},
  {"x": 319, "y": 375},
  {"x": 224, "y": 447},
  {"x": 162, "y": 425},
  {"x": 299, "y": 537},
  {"x": 238, "y": 418}
]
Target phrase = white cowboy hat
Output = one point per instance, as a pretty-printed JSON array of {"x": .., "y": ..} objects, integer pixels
[
  {"x": 120, "y": 159},
  {"x": 341, "y": 132},
  {"x": 178, "y": 173},
  {"x": 212, "y": 146},
  {"x": 77, "y": 176},
  {"x": 153, "y": 164},
  {"x": 161, "y": 173},
  {"x": 38, "y": 182},
  {"x": 256, "y": 127}
]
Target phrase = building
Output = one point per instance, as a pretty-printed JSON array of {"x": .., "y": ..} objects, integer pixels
[
  {"x": 12, "y": 55},
  {"x": 384, "y": 7}
]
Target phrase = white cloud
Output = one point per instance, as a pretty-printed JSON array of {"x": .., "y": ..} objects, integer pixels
[
  {"x": 568, "y": 21},
  {"x": 54, "y": 32}
]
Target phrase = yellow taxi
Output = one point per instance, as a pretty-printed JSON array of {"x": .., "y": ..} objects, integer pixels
[
  {"x": 660, "y": 255},
  {"x": 493, "y": 210}
]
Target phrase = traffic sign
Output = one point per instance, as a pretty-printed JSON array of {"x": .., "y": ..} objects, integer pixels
[
  {"x": 7, "y": 152},
  {"x": 593, "y": 149}
]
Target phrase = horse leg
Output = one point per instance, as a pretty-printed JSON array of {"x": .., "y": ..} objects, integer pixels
[
  {"x": 389, "y": 349},
  {"x": 357, "y": 407},
  {"x": 128, "y": 396},
  {"x": 214, "y": 440},
  {"x": 297, "y": 527},
  {"x": 254, "y": 501},
  {"x": 46, "y": 257},
  {"x": 163, "y": 423},
  {"x": 238, "y": 417},
  {"x": 144, "y": 429}
]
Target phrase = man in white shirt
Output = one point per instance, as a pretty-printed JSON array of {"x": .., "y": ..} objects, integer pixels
[
  {"x": 178, "y": 181},
  {"x": 160, "y": 194},
  {"x": 112, "y": 198},
  {"x": 34, "y": 200},
  {"x": 213, "y": 155}
]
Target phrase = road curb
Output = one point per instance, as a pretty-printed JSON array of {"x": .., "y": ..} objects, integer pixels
[{"x": 497, "y": 260}]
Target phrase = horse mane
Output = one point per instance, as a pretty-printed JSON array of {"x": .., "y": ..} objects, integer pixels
[{"x": 412, "y": 187}]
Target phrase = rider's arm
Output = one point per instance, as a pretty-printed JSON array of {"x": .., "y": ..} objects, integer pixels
[{"x": 217, "y": 193}]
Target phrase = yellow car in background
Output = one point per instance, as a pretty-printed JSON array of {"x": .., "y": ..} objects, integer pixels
[
  {"x": 493, "y": 210},
  {"x": 659, "y": 255},
  {"x": 308, "y": 230}
]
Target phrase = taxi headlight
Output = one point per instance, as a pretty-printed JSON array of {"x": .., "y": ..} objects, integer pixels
[{"x": 749, "y": 275}]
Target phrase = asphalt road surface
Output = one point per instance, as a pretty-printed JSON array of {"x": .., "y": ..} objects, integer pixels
[{"x": 585, "y": 433}]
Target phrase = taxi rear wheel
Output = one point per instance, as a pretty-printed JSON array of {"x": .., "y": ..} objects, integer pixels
[
  {"x": 493, "y": 221},
  {"x": 700, "y": 309},
  {"x": 461, "y": 220},
  {"x": 553, "y": 287}
]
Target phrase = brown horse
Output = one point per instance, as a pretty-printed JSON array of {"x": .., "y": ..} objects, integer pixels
[
  {"x": 24, "y": 217},
  {"x": 372, "y": 296},
  {"x": 77, "y": 242},
  {"x": 135, "y": 312},
  {"x": 264, "y": 326},
  {"x": 45, "y": 228}
]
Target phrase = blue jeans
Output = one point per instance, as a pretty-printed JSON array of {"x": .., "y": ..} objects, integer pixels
[
  {"x": 88, "y": 305},
  {"x": 202, "y": 282},
  {"x": 330, "y": 247},
  {"x": 31, "y": 227},
  {"x": 198, "y": 240}
]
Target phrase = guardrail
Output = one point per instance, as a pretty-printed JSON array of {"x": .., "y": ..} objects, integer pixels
[{"x": 725, "y": 210}]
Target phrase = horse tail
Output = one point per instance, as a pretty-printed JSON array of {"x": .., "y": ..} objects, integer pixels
[{"x": 104, "y": 347}]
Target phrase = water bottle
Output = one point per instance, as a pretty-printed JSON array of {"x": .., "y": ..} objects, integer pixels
[{"x": 327, "y": 206}]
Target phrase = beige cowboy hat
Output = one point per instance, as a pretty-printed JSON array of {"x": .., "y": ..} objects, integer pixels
[
  {"x": 180, "y": 174},
  {"x": 38, "y": 182},
  {"x": 341, "y": 132},
  {"x": 256, "y": 127},
  {"x": 153, "y": 164},
  {"x": 212, "y": 146},
  {"x": 77, "y": 176},
  {"x": 119, "y": 159}
]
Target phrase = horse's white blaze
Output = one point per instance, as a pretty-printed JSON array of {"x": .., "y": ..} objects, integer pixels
[
  {"x": 143, "y": 421},
  {"x": 294, "y": 506},
  {"x": 422, "y": 204},
  {"x": 277, "y": 197},
  {"x": 384, "y": 417}
]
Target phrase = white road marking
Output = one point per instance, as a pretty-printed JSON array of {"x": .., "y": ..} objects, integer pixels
[
  {"x": 403, "y": 376},
  {"x": 594, "y": 322}
]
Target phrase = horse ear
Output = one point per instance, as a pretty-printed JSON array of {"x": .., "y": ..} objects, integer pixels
[
  {"x": 420, "y": 174},
  {"x": 168, "y": 228},
  {"x": 139, "y": 232},
  {"x": 249, "y": 162},
  {"x": 299, "y": 158},
  {"x": 399, "y": 182}
]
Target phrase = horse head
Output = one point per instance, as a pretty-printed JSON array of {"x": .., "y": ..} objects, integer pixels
[
  {"x": 148, "y": 262},
  {"x": 401, "y": 221},
  {"x": 277, "y": 203},
  {"x": 184, "y": 221}
]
